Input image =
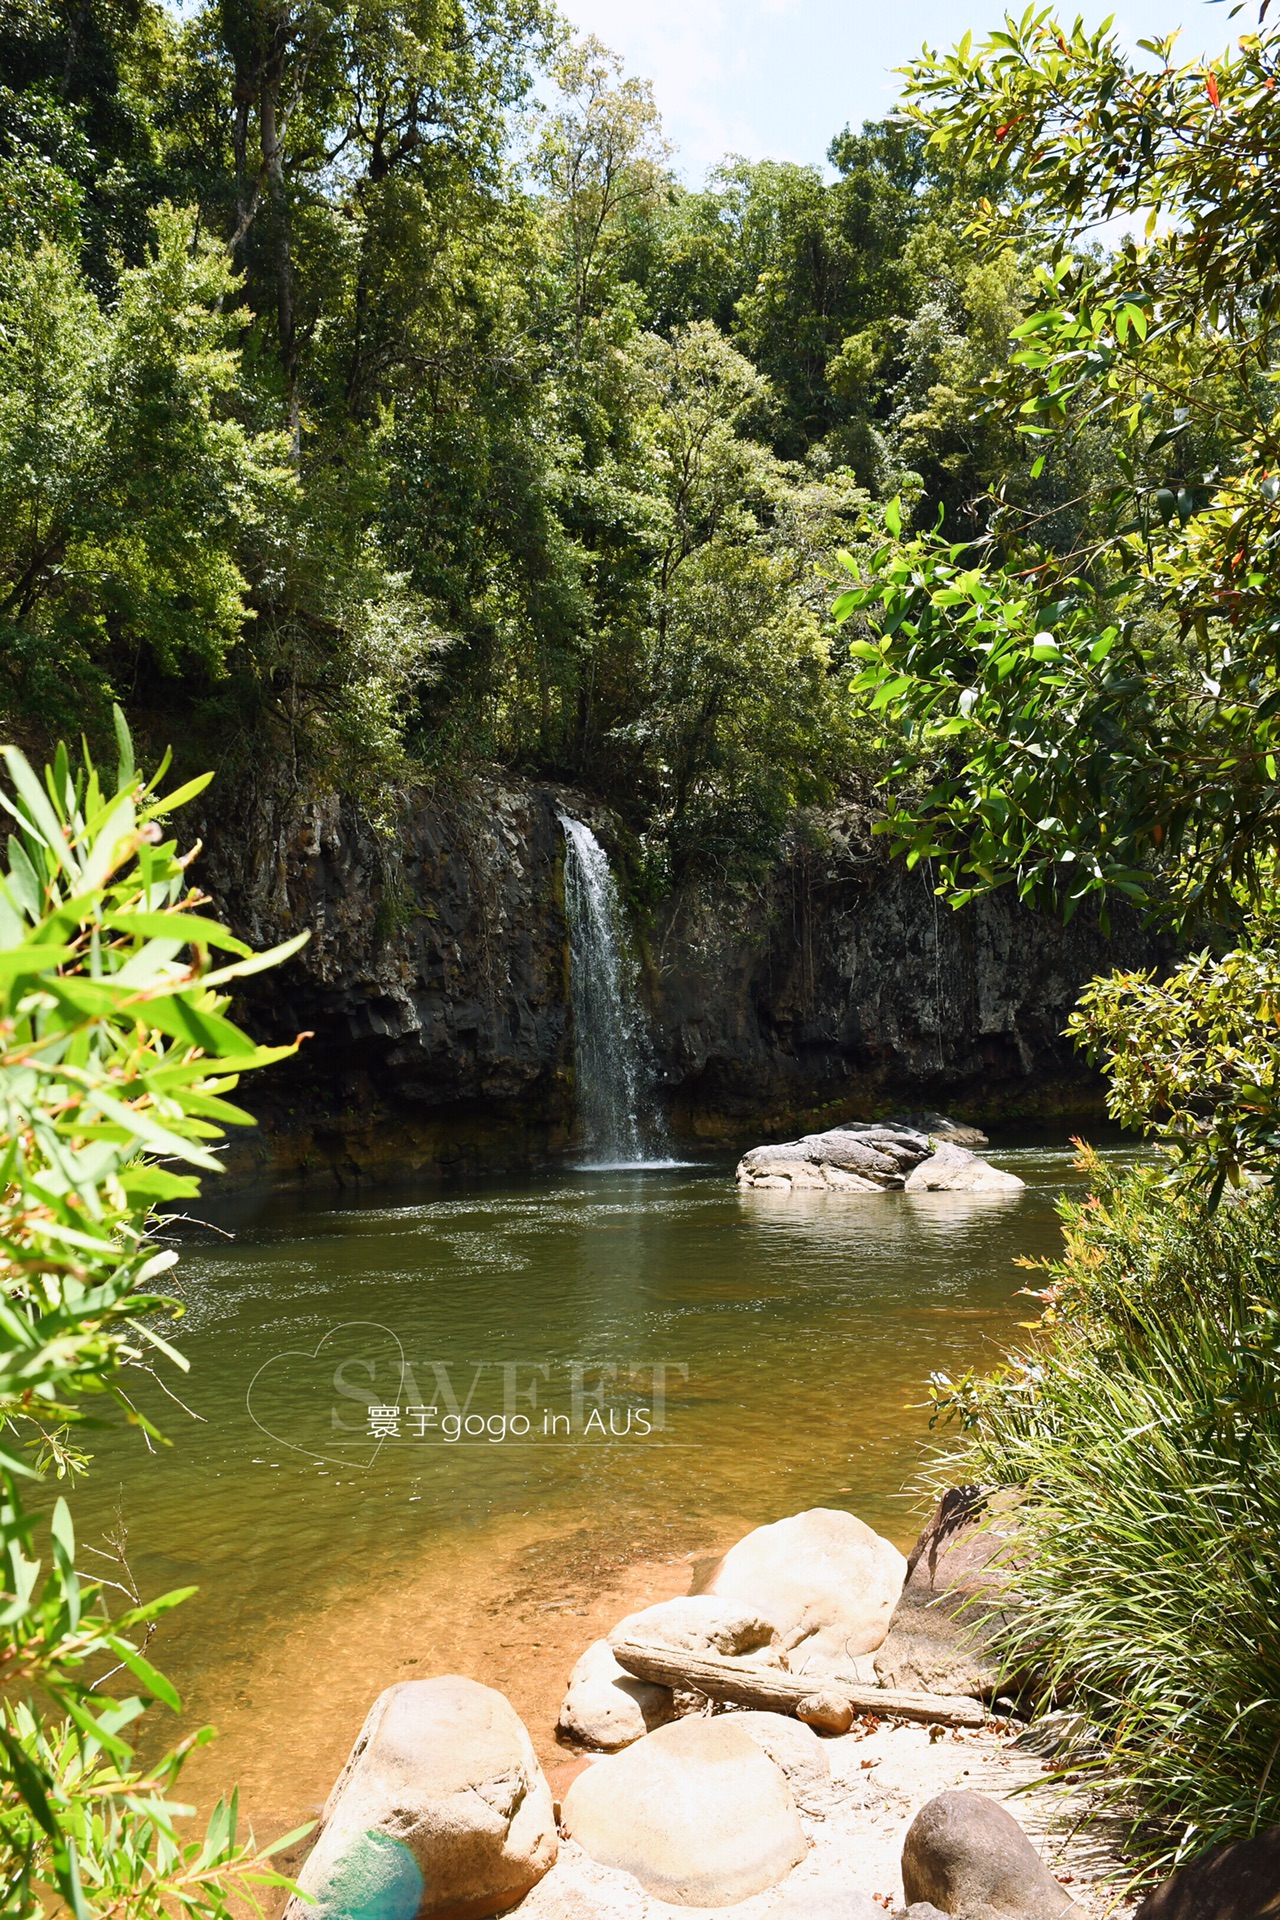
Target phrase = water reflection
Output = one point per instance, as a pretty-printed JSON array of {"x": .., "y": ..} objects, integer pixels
[{"x": 793, "y": 1338}]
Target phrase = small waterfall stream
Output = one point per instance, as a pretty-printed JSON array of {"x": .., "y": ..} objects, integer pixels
[{"x": 613, "y": 1061}]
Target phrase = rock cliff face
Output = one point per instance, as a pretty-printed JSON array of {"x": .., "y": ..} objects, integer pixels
[
  {"x": 846, "y": 988},
  {"x": 436, "y": 984}
]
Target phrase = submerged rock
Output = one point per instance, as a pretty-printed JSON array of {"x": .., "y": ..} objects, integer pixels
[
  {"x": 441, "y": 1812},
  {"x": 606, "y": 1707},
  {"x": 939, "y": 1637},
  {"x": 967, "y": 1855},
  {"x": 956, "y": 1170},
  {"x": 698, "y": 1812},
  {"x": 827, "y": 1581}
]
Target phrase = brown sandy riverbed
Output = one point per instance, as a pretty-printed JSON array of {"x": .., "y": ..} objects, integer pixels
[{"x": 512, "y": 1607}]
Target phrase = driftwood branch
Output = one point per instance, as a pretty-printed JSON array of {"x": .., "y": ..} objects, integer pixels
[{"x": 780, "y": 1692}]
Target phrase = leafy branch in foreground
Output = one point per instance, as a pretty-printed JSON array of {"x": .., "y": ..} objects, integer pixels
[{"x": 116, "y": 1060}]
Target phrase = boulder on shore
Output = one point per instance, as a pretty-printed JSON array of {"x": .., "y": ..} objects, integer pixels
[
  {"x": 967, "y": 1855},
  {"x": 607, "y": 1707},
  {"x": 1238, "y": 1881},
  {"x": 940, "y": 1634},
  {"x": 876, "y": 1159},
  {"x": 827, "y": 1581},
  {"x": 441, "y": 1812},
  {"x": 956, "y": 1170},
  {"x": 697, "y": 1811},
  {"x": 700, "y": 1623},
  {"x": 796, "y": 1749}
]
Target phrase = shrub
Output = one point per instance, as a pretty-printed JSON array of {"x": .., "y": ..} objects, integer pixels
[
  {"x": 1144, "y": 1421},
  {"x": 116, "y": 1059}
]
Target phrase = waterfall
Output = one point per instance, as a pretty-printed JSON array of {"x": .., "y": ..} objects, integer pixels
[{"x": 614, "y": 1066}]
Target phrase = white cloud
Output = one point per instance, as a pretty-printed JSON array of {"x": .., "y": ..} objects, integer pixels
[{"x": 778, "y": 78}]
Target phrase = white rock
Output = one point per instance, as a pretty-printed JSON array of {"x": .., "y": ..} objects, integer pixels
[
  {"x": 797, "y": 1750},
  {"x": 699, "y": 1623},
  {"x": 697, "y": 1812},
  {"x": 441, "y": 1809},
  {"x": 607, "y": 1707},
  {"x": 827, "y": 1581},
  {"x": 956, "y": 1170}
]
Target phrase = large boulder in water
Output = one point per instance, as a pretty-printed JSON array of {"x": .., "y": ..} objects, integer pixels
[
  {"x": 827, "y": 1581},
  {"x": 866, "y": 1159},
  {"x": 955, "y": 1170},
  {"x": 698, "y": 1812},
  {"x": 441, "y": 1812},
  {"x": 877, "y": 1158}
]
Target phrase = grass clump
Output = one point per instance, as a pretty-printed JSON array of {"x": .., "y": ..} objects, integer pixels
[{"x": 1143, "y": 1419}]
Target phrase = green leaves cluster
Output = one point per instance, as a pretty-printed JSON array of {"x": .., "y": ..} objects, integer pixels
[
  {"x": 385, "y": 481},
  {"x": 1099, "y": 720},
  {"x": 116, "y": 1061}
]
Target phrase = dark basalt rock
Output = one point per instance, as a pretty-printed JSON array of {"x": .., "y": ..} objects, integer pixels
[
  {"x": 436, "y": 982},
  {"x": 1239, "y": 1881}
]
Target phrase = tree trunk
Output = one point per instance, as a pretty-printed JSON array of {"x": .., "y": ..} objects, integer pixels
[
  {"x": 779, "y": 1692},
  {"x": 281, "y": 249}
]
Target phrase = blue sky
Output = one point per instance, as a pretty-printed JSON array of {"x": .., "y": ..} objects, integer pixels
[{"x": 775, "y": 79}]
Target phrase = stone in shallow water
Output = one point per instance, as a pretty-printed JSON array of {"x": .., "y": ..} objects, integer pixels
[
  {"x": 606, "y": 1707},
  {"x": 697, "y": 1812},
  {"x": 826, "y": 1579},
  {"x": 442, "y": 1784},
  {"x": 956, "y": 1170}
]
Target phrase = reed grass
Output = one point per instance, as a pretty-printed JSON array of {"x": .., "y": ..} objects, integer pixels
[{"x": 1143, "y": 1418}]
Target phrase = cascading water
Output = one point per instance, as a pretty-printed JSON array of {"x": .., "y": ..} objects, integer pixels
[{"x": 613, "y": 1063}]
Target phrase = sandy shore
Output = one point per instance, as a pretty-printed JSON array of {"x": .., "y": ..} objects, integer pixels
[{"x": 514, "y": 1610}]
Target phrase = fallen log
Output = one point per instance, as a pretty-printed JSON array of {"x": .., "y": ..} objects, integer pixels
[{"x": 779, "y": 1692}]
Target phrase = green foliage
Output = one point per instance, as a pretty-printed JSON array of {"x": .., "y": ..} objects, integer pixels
[
  {"x": 1194, "y": 1058},
  {"x": 1143, "y": 1423},
  {"x": 1102, "y": 721},
  {"x": 125, "y": 491},
  {"x": 1155, "y": 639},
  {"x": 391, "y": 480},
  {"x": 117, "y": 1059}
]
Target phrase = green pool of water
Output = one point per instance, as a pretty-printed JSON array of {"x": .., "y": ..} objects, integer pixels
[{"x": 646, "y": 1349}]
